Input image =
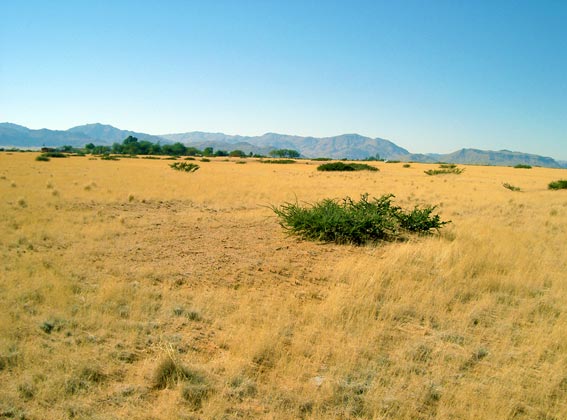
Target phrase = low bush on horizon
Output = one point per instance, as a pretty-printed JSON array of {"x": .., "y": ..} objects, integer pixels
[
  {"x": 346, "y": 167},
  {"x": 510, "y": 187},
  {"x": 522, "y": 166},
  {"x": 280, "y": 161},
  {"x": 54, "y": 155},
  {"x": 184, "y": 166},
  {"x": 558, "y": 185},
  {"x": 42, "y": 158},
  {"x": 445, "y": 169},
  {"x": 108, "y": 157},
  {"x": 356, "y": 222}
]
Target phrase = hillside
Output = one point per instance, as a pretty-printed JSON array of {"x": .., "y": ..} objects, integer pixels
[
  {"x": 19, "y": 136},
  {"x": 349, "y": 146},
  {"x": 107, "y": 134}
]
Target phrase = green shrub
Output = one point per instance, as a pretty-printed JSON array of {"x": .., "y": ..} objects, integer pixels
[
  {"x": 406, "y": 165},
  {"x": 55, "y": 154},
  {"x": 205, "y": 160},
  {"x": 349, "y": 167},
  {"x": 321, "y": 159},
  {"x": 42, "y": 158},
  {"x": 445, "y": 169},
  {"x": 280, "y": 161},
  {"x": 558, "y": 185},
  {"x": 522, "y": 166},
  {"x": 108, "y": 157},
  {"x": 184, "y": 166},
  {"x": 510, "y": 187},
  {"x": 348, "y": 221}
]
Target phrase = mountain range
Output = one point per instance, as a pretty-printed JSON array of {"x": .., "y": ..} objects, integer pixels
[{"x": 350, "y": 146}]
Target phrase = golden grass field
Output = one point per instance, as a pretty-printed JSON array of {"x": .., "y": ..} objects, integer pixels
[{"x": 133, "y": 291}]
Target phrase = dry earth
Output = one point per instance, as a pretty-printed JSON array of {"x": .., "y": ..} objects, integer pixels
[{"x": 130, "y": 290}]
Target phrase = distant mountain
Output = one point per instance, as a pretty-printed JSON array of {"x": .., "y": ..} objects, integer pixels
[
  {"x": 107, "y": 134},
  {"x": 19, "y": 136},
  {"x": 497, "y": 158},
  {"x": 194, "y": 137},
  {"x": 350, "y": 146}
]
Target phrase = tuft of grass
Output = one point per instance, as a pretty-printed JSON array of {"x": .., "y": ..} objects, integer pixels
[
  {"x": 184, "y": 166},
  {"x": 558, "y": 185},
  {"x": 196, "y": 388},
  {"x": 510, "y": 187},
  {"x": 195, "y": 393},
  {"x": 355, "y": 222},
  {"x": 84, "y": 379},
  {"x": 348, "y": 167}
]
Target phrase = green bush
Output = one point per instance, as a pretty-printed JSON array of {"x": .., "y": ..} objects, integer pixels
[
  {"x": 445, "y": 169},
  {"x": 558, "y": 185},
  {"x": 348, "y": 221},
  {"x": 55, "y": 154},
  {"x": 280, "y": 161},
  {"x": 42, "y": 158},
  {"x": 510, "y": 187},
  {"x": 108, "y": 157},
  {"x": 184, "y": 166},
  {"x": 349, "y": 167},
  {"x": 522, "y": 166},
  {"x": 406, "y": 165}
]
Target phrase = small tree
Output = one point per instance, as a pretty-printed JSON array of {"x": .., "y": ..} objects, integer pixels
[
  {"x": 237, "y": 153},
  {"x": 285, "y": 153}
]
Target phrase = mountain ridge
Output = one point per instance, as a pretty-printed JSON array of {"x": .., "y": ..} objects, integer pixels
[{"x": 350, "y": 146}]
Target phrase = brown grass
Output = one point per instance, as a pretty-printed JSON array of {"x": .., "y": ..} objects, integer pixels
[{"x": 140, "y": 292}]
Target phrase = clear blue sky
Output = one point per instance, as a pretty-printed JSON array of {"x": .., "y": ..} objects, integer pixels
[{"x": 432, "y": 76}]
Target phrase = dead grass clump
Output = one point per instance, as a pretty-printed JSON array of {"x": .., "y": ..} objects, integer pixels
[
  {"x": 84, "y": 379},
  {"x": 170, "y": 372}
]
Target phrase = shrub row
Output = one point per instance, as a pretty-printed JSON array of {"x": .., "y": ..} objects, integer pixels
[{"x": 340, "y": 166}]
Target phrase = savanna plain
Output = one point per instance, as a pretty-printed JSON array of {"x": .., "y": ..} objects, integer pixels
[{"x": 130, "y": 290}]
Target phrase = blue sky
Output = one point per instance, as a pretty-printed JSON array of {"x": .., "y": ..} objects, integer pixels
[{"x": 432, "y": 76}]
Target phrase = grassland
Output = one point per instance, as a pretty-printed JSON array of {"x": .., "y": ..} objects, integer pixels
[{"x": 130, "y": 290}]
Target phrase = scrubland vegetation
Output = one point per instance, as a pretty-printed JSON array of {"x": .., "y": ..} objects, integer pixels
[
  {"x": 130, "y": 290},
  {"x": 346, "y": 167}
]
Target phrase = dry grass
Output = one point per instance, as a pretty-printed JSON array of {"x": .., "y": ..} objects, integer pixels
[{"x": 140, "y": 292}]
